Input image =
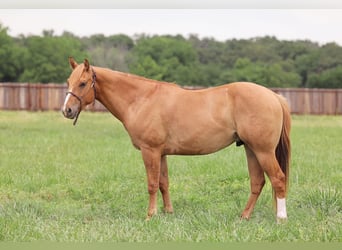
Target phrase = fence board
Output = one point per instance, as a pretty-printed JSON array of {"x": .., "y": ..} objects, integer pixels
[
  {"x": 313, "y": 101},
  {"x": 42, "y": 97}
]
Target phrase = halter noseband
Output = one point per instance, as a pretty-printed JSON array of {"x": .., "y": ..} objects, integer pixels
[{"x": 79, "y": 98}]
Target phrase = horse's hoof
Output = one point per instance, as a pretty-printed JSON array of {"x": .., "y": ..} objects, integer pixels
[
  {"x": 168, "y": 210},
  {"x": 150, "y": 215},
  {"x": 244, "y": 216},
  {"x": 281, "y": 220}
]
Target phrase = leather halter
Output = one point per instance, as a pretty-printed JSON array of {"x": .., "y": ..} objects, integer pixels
[{"x": 79, "y": 98}]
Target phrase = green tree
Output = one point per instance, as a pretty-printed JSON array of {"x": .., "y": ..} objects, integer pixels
[
  {"x": 47, "y": 59},
  {"x": 317, "y": 61},
  {"x": 330, "y": 78},
  {"x": 269, "y": 75},
  {"x": 149, "y": 68},
  {"x": 174, "y": 57},
  {"x": 121, "y": 41},
  {"x": 244, "y": 71},
  {"x": 291, "y": 50},
  {"x": 193, "y": 61},
  {"x": 274, "y": 75},
  {"x": 110, "y": 52},
  {"x": 11, "y": 56}
]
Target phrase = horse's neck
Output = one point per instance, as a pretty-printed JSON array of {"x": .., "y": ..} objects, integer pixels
[{"x": 117, "y": 91}]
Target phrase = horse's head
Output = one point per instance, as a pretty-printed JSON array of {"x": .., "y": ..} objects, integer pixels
[{"x": 81, "y": 89}]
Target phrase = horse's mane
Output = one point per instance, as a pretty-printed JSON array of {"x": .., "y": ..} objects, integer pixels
[{"x": 141, "y": 78}]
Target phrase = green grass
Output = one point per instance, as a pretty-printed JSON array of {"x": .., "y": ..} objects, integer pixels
[{"x": 87, "y": 184}]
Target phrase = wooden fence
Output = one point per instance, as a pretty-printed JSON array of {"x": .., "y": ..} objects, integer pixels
[
  {"x": 36, "y": 97},
  {"x": 313, "y": 101},
  {"x": 41, "y": 97}
]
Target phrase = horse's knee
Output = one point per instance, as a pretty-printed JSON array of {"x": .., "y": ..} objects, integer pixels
[
  {"x": 163, "y": 188},
  {"x": 152, "y": 188},
  {"x": 163, "y": 185}
]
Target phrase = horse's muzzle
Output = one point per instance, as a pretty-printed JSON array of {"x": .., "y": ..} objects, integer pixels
[
  {"x": 69, "y": 113},
  {"x": 70, "y": 110}
]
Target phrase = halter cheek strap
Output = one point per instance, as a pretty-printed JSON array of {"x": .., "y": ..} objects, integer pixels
[{"x": 79, "y": 98}]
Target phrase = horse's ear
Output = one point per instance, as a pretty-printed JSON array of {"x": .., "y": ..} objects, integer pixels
[
  {"x": 72, "y": 62},
  {"x": 86, "y": 65}
]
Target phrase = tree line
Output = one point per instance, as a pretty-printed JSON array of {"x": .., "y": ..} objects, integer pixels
[{"x": 186, "y": 61}]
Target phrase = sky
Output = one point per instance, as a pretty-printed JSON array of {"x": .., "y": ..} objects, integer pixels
[{"x": 317, "y": 25}]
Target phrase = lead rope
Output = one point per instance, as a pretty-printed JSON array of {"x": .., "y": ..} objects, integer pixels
[{"x": 78, "y": 113}]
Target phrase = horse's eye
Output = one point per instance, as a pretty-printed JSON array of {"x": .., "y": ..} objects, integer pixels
[{"x": 82, "y": 85}]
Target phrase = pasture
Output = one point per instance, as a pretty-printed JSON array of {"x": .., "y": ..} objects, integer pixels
[{"x": 88, "y": 184}]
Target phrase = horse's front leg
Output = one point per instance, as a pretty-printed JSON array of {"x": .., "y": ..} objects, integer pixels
[
  {"x": 164, "y": 185},
  {"x": 152, "y": 161}
]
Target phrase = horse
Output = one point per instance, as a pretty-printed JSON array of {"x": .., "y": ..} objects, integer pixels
[{"x": 163, "y": 119}]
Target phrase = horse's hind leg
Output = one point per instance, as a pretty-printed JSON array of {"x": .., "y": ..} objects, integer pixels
[
  {"x": 164, "y": 185},
  {"x": 257, "y": 181},
  {"x": 270, "y": 165}
]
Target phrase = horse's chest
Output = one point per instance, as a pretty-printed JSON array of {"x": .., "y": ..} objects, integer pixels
[{"x": 146, "y": 133}]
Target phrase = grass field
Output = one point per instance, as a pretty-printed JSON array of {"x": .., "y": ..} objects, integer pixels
[{"x": 87, "y": 184}]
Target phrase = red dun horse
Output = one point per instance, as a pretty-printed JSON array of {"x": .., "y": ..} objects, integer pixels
[{"x": 165, "y": 119}]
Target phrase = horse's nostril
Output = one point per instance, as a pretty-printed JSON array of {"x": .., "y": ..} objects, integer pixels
[{"x": 69, "y": 110}]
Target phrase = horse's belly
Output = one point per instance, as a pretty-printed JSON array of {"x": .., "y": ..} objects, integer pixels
[{"x": 199, "y": 144}]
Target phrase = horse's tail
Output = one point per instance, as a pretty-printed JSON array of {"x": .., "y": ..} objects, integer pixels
[{"x": 283, "y": 150}]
